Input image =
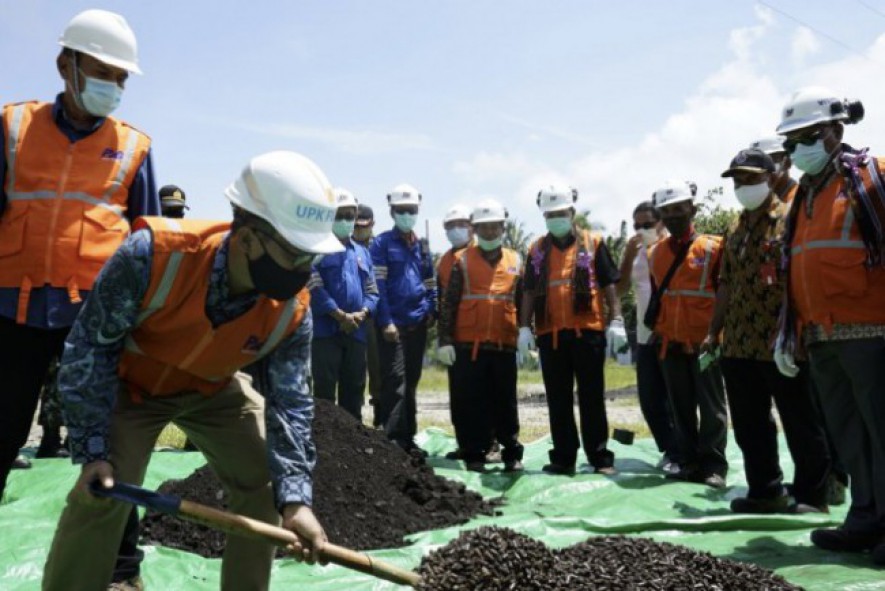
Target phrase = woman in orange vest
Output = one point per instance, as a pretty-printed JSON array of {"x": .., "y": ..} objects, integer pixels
[
  {"x": 567, "y": 275},
  {"x": 477, "y": 337},
  {"x": 685, "y": 309},
  {"x": 835, "y": 302},
  {"x": 178, "y": 311}
]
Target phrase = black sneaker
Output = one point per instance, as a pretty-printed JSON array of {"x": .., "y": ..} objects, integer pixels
[
  {"x": 21, "y": 463},
  {"x": 513, "y": 466},
  {"x": 457, "y": 454},
  {"x": 559, "y": 469},
  {"x": 838, "y": 539},
  {"x": 474, "y": 466},
  {"x": 684, "y": 473},
  {"x": 753, "y": 506}
]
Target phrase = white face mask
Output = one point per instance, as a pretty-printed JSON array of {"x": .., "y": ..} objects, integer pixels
[
  {"x": 458, "y": 237},
  {"x": 490, "y": 244},
  {"x": 811, "y": 159},
  {"x": 649, "y": 235},
  {"x": 404, "y": 222},
  {"x": 752, "y": 196}
]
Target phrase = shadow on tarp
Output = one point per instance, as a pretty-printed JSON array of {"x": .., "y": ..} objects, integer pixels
[{"x": 558, "y": 510}]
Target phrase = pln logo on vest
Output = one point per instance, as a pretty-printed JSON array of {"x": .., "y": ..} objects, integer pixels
[
  {"x": 112, "y": 154},
  {"x": 252, "y": 346}
]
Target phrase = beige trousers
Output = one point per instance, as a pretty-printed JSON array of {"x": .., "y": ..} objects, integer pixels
[{"x": 229, "y": 428}]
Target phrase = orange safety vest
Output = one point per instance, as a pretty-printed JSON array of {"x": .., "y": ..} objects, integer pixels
[
  {"x": 444, "y": 271},
  {"x": 487, "y": 312},
  {"x": 561, "y": 313},
  {"x": 687, "y": 305},
  {"x": 66, "y": 201},
  {"x": 829, "y": 281},
  {"x": 174, "y": 348}
]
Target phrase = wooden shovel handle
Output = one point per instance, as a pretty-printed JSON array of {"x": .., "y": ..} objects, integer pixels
[{"x": 245, "y": 526}]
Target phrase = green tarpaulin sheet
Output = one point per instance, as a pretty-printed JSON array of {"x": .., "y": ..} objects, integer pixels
[{"x": 558, "y": 510}]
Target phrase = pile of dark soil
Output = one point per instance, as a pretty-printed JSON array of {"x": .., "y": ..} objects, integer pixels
[
  {"x": 497, "y": 559},
  {"x": 368, "y": 493}
]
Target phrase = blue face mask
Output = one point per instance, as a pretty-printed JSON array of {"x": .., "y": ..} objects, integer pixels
[
  {"x": 458, "y": 237},
  {"x": 490, "y": 244},
  {"x": 343, "y": 228},
  {"x": 100, "y": 97},
  {"x": 405, "y": 221},
  {"x": 559, "y": 227},
  {"x": 810, "y": 159}
]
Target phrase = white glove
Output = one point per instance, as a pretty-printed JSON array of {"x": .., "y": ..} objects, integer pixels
[
  {"x": 526, "y": 341},
  {"x": 616, "y": 336},
  {"x": 446, "y": 355},
  {"x": 784, "y": 360}
]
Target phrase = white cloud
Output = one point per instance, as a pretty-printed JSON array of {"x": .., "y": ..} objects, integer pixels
[
  {"x": 803, "y": 45},
  {"x": 351, "y": 141},
  {"x": 730, "y": 108}
]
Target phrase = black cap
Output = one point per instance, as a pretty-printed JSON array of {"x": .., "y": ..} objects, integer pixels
[
  {"x": 172, "y": 196},
  {"x": 364, "y": 215},
  {"x": 750, "y": 160}
]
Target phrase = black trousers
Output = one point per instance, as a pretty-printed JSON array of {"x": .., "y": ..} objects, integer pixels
[
  {"x": 581, "y": 359},
  {"x": 401, "y": 365},
  {"x": 338, "y": 365},
  {"x": 484, "y": 400},
  {"x": 692, "y": 392},
  {"x": 654, "y": 400},
  {"x": 850, "y": 381},
  {"x": 25, "y": 357},
  {"x": 752, "y": 386},
  {"x": 129, "y": 556}
]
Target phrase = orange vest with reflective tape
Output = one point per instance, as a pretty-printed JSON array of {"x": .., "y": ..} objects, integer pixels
[
  {"x": 829, "y": 282},
  {"x": 487, "y": 312},
  {"x": 66, "y": 201},
  {"x": 687, "y": 305},
  {"x": 174, "y": 347},
  {"x": 561, "y": 313},
  {"x": 444, "y": 272}
]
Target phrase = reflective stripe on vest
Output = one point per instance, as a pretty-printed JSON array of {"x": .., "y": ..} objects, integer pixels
[
  {"x": 12, "y": 146},
  {"x": 465, "y": 292},
  {"x": 700, "y": 292}
]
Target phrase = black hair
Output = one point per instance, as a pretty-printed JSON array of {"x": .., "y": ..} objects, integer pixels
[{"x": 650, "y": 208}]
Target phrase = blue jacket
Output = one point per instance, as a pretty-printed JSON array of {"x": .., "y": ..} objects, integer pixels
[
  {"x": 405, "y": 277},
  {"x": 346, "y": 281}
]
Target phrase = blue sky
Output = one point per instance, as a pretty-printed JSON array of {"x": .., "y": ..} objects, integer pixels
[{"x": 466, "y": 99}]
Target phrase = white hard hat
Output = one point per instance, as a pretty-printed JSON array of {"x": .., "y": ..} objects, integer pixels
[
  {"x": 291, "y": 193},
  {"x": 810, "y": 106},
  {"x": 404, "y": 195},
  {"x": 770, "y": 145},
  {"x": 673, "y": 191},
  {"x": 104, "y": 35},
  {"x": 344, "y": 198},
  {"x": 457, "y": 212},
  {"x": 556, "y": 198},
  {"x": 488, "y": 210}
]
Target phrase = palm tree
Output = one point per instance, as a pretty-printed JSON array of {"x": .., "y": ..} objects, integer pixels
[{"x": 516, "y": 237}]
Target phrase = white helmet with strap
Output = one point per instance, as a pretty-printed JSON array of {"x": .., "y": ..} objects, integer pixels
[
  {"x": 674, "y": 191},
  {"x": 458, "y": 212},
  {"x": 404, "y": 195},
  {"x": 771, "y": 145},
  {"x": 291, "y": 193},
  {"x": 104, "y": 35},
  {"x": 488, "y": 210},
  {"x": 556, "y": 198},
  {"x": 814, "y": 105},
  {"x": 344, "y": 198}
]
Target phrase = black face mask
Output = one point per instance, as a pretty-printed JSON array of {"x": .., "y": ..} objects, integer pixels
[
  {"x": 677, "y": 226},
  {"x": 275, "y": 282}
]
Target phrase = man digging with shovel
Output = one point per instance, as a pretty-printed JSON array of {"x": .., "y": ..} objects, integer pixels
[{"x": 177, "y": 311}]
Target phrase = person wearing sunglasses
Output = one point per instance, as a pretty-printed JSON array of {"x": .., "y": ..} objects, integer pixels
[
  {"x": 406, "y": 309},
  {"x": 180, "y": 308},
  {"x": 751, "y": 289},
  {"x": 834, "y": 308},
  {"x": 650, "y": 384},
  {"x": 343, "y": 298}
]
